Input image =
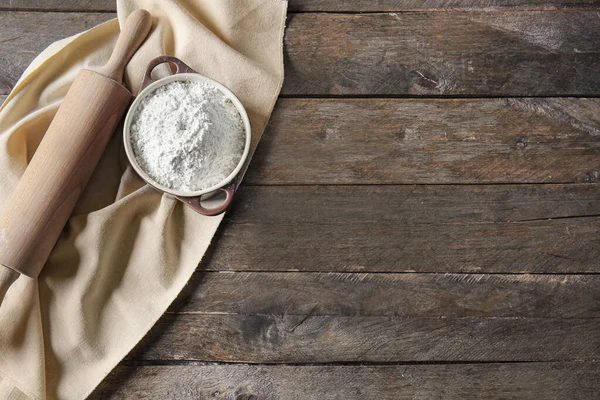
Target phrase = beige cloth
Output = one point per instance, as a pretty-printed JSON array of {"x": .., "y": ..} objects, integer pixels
[{"x": 128, "y": 250}]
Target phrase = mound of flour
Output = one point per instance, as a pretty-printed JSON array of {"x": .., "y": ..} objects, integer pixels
[{"x": 187, "y": 136}]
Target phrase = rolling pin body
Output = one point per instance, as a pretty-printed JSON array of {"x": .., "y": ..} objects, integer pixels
[{"x": 34, "y": 215}]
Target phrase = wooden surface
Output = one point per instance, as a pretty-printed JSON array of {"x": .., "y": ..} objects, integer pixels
[
  {"x": 432, "y": 141},
  {"x": 420, "y": 220},
  {"x": 572, "y": 380}
]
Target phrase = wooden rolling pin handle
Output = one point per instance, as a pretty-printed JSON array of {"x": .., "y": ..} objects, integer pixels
[{"x": 134, "y": 32}]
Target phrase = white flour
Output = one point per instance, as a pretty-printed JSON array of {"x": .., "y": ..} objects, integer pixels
[{"x": 187, "y": 136}]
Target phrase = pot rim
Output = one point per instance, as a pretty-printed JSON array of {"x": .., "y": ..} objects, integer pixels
[{"x": 147, "y": 91}]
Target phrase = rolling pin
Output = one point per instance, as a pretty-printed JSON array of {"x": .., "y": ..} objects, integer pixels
[{"x": 34, "y": 215}]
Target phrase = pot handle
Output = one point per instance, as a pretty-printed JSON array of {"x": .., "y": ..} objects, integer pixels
[
  {"x": 194, "y": 202},
  {"x": 181, "y": 68}
]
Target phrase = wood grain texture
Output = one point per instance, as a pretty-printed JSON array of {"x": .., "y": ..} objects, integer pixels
[
  {"x": 504, "y": 53},
  {"x": 411, "y": 205},
  {"x": 549, "y": 381},
  {"x": 400, "y": 141},
  {"x": 500, "y": 228},
  {"x": 324, "y": 318},
  {"x": 334, "y": 339},
  {"x": 560, "y": 246},
  {"x": 329, "y": 5},
  {"x": 391, "y": 295},
  {"x": 444, "y": 54}
]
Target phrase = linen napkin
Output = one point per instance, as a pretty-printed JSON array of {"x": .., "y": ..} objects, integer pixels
[{"x": 128, "y": 250}]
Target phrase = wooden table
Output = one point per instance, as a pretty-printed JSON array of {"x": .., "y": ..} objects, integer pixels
[{"x": 421, "y": 218}]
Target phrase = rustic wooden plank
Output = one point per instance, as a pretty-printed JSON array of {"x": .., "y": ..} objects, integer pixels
[
  {"x": 505, "y": 53},
  {"x": 429, "y": 141},
  {"x": 500, "y": 228},
  {"x": 330, "y": 5},
  {"x": 572, "y": 380},
  {"x": 412, "y": 204},
  {"x": 402, "y": 141},
  {"x": 327, "y": 339},
  {"x": 445, "y": 54},
  {"x": 391, "y": 295},
  {"x": 540, "y": 246},
  {"x": 399, "y": 141}
]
